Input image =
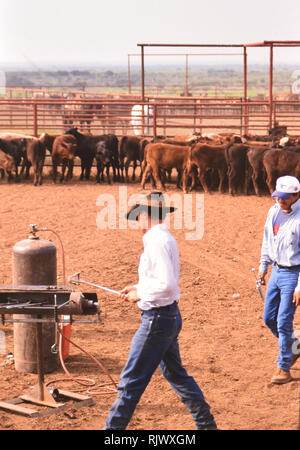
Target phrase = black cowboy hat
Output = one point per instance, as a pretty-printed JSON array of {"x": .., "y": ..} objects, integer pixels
[{"x": 154, "y": 203}]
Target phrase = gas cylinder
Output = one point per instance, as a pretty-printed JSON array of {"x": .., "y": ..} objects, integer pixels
[{"x": 34, "y": 263}]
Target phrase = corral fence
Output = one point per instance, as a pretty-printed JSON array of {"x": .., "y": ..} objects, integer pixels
[{"x": 166, "y": 116}]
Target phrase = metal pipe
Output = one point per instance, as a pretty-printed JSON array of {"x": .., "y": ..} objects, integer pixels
[
  {"x": 271, "y": 87},
  {"x": 190, "y": 45},
  {"x": 186, "y": 75},
  {"x": 142, "y": 75},
  {"x": 258, "y": 285},
  {"x": 245, "y": 74},
  {"x": 35, "y": 120},
  {"x": 154, "y": 120},
  {"x": 246, "y": 109},
  {"x": 39, "y": 359},
  {"x": 78, "y": 280},
  {"x": 129, "y": 80}
]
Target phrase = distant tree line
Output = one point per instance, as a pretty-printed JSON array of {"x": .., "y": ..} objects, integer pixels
[{"x": 210, "y": 76}]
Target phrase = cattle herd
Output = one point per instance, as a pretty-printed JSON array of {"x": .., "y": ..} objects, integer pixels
[{"x": 224, "y": 162}]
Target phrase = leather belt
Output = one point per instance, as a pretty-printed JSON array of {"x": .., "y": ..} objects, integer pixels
[
  {"x": 286, "y": 267},
  {"x": 167, "y": 306}
]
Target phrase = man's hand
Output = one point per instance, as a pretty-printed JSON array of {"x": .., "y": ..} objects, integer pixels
[
  {"x": 129, "y": 293},
  {"x": 296, "y": 298},
  {"x": 261, "y": 276}
]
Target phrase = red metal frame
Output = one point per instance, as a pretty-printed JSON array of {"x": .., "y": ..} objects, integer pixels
[{"x": 270, "y": 44}]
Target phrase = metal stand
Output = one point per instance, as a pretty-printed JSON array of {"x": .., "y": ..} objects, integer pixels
[{"x": 40, "y": 395}]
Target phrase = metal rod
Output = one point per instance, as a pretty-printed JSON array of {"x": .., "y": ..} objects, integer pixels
[
  {"x": 258, "y": 285},
  {"x": 51, "y": 320},
  {"x": 186, "y": 75},
  {"x": 39, "y": 359},
  {"x": 154, "y": 120},
  {"x": 113, "y": 291},
  {"x": 245, "y": 93},
  {"x": 190, "y": 45},
  {"x": 129, "y": 80},
  {"x": 142, "y": 74},
  {"x": 80, "y": 281},
  {"x": 271, "y": 87}
]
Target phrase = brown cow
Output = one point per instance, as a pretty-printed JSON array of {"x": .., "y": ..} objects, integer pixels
[
  {"x": 63, "y": 152},
  {"x": 163, "y": 157},
  {"x": 236, "y": 157},
  {"x": 7, "y": 164},
  {"x": 255, "y": 157},
  {"x": 36, "y": 152},
  {"x": 129, "y": 151},
  {"x": 208, "y": 157},
  {"x": 48, "y": 140},
  {"x": 278, "y": 163}
]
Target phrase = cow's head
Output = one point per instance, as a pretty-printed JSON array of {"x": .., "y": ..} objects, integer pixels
[{"x": 102, "y": 155}]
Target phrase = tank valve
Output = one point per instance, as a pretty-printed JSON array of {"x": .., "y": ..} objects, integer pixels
[{"x": 33, "y": 231}]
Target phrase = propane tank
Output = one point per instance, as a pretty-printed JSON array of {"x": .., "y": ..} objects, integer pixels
[{"x": 34, "y": 263}]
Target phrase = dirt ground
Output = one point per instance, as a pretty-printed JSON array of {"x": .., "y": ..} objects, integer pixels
[{"x": 224, "y": 342}]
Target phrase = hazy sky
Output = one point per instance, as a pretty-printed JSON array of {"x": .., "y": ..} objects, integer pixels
[{"x": 105, "y": 31}]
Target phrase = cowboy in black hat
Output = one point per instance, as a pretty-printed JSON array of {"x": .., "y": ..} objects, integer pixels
[{"x": 156, "y": 341}]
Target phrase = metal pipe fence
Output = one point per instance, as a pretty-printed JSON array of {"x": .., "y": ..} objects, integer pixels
[{"x": 167, "y": 116}]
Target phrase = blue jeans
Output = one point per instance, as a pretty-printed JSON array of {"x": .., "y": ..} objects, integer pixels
[
  {"x": 156, "y": 344},
  {"x": 279, "y": 311}
]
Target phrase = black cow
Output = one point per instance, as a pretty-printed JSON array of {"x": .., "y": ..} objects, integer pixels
[
  {"x": 107, "y": 155},
  {"x": 86, "y": 149},
  {"x": 17, "y": 149},
  {"x": 104, "y": 161},
  {"x": 129, "y": 151}
]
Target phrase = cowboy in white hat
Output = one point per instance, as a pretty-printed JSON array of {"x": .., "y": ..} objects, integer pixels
[
  {"x": 281, "y": 249},
  {"x": 155, "y": 344}
]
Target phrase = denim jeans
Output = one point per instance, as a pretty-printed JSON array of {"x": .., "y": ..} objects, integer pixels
[
  {"x": 279, "y": 311},
  {"x": 156, "y": 344}
]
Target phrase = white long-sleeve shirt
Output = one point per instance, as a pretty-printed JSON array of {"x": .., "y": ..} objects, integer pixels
[{"x": 159, "y": 269}]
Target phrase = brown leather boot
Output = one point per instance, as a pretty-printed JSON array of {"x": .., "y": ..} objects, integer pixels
[{"x": 281, "y": 377}]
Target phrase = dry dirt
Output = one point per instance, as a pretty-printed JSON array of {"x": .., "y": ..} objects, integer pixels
[{"x": 224, "y": 342}]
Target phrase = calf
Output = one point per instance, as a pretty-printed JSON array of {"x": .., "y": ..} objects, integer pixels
[
  {"x": 15, "y": 148},
  {"x": 255, "y": 157},
  {"x": 110, "y": 148},
  {"x": 36, "y": 152},
  {"x": 163, "y": 157},
  {"x": 104, "y": 160},
  {"x": 130, "y": 152},
  {"x": 85, "y": 150},
  {"x": 237, "y": 162},
  {"x": 63, "y": 152},
  {"x": 278, "y": 163},
  {"x": 48, "y": 140},
  {"x": 207, "y": 157},
  {"x": 7, "y": 164}
]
